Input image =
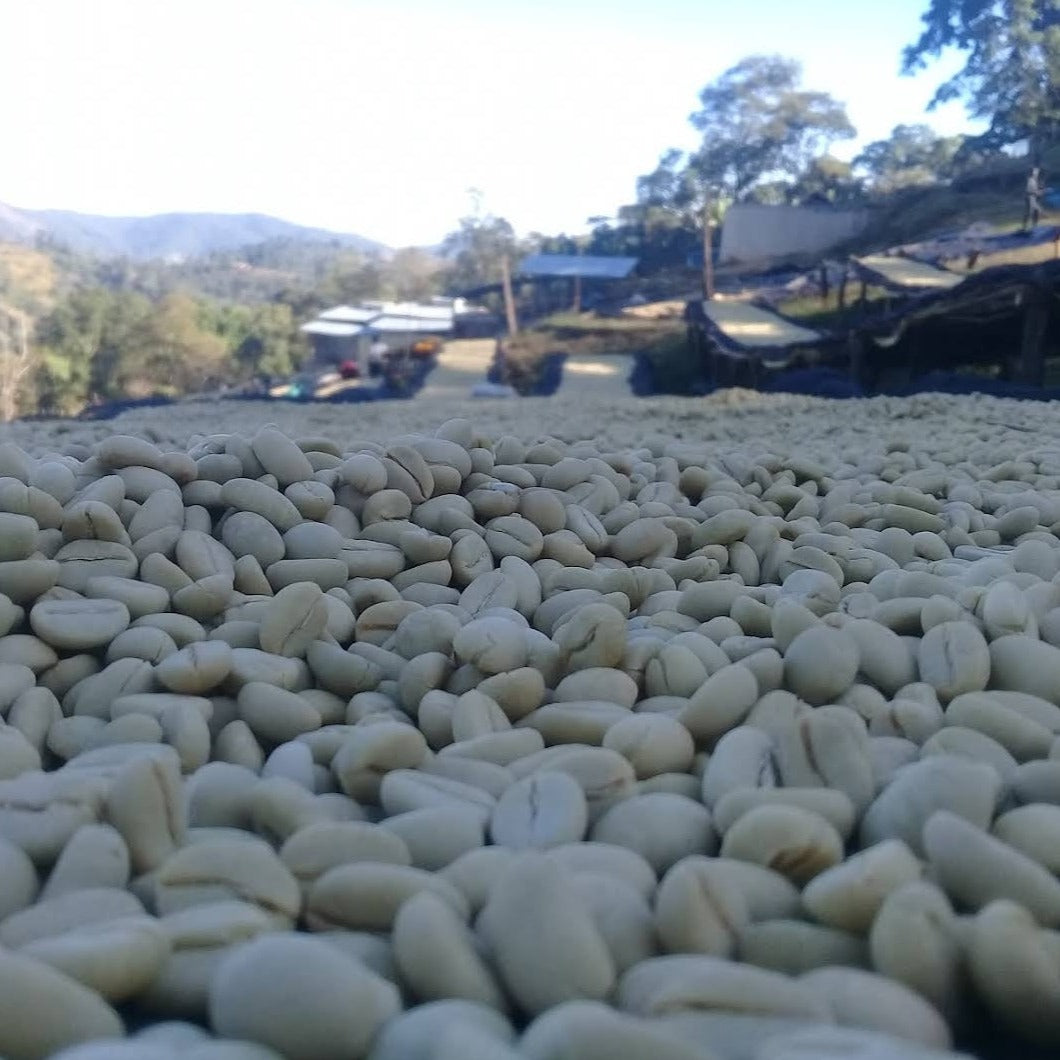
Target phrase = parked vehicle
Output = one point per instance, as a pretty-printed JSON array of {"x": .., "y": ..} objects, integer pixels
[{"x": 426, "y": 347}]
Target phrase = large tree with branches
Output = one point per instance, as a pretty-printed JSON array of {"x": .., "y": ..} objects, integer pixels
[
  {"x": 1011, "y": 75},
  {"x": 758, "y": 122}
]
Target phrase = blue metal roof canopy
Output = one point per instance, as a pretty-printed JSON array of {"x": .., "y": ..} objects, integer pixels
[{"x": 570, "y": 265}]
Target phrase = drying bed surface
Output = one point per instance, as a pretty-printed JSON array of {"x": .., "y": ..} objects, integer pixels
[{"x": 673, "y": 728}]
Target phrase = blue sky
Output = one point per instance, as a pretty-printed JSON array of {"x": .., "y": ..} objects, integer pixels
[{"x": 377, "y": 117}]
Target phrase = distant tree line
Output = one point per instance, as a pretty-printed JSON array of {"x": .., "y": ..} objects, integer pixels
[{"x": 100, "y": 345}]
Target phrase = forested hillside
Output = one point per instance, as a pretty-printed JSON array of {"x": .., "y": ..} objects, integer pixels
[{"x": 105, "y": 328}]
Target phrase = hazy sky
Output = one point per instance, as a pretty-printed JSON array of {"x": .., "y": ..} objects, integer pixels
[{"x": 376, "y": 116}]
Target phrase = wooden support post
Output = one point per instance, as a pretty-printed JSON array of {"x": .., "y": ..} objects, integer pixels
[
  {"x": 509, "y": 300},
  {"x": 1031, "y": 365},
  {"x": 708, "y": 253},
  {"x": 577, "y": 307},
  {"x": 856, "y": 356}
]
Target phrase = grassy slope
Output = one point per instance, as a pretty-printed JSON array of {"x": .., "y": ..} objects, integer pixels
[
  {"x": 27, "y": 276},
  {"x": 992, "y": 194}
]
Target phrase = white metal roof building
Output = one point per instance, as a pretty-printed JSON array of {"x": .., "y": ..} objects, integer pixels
[
  {"x": 349, "y": 314},
  {"x": 382, "y": 317},
  {"x": 390, "y": 323},
  {"x": 416, "y": 311},
  {"x": 347, "y": 332},
  {"x": 332, "y": 328}
]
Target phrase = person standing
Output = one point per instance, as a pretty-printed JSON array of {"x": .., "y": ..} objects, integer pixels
[
  {"x": 1032, "y": 210},
  {"x": 377, "y": 356}
]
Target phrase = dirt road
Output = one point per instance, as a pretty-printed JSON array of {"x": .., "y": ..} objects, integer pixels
[
  {"x": 598, "y": 377},
  {"x": 461, "y": 364}
]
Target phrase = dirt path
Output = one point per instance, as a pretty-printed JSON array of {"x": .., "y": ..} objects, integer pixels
[
  {"x": 461, "y": 365},
  {"x": 597, "y": 377}
]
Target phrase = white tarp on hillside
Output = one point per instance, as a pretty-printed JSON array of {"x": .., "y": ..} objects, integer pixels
[{"x": 755, "y": 235}]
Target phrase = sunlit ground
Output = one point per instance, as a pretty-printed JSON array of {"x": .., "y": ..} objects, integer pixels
[{"x": 604, "y": 368}]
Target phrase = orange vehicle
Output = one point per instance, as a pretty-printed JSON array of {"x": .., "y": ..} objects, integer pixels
[{"x": 426, "y": 347}]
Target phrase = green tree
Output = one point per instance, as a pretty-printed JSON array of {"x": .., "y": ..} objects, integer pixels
[
  {"x": 617, "y": 236},
  {"x": 476, "y": 249},
  {"x": 662, "y": 226},
  {"x": 87, "y": 343},
  {"x": 116, "y": 366},
  {"x": 830, "y": 179},
  {"x": 669, "y": 197},
  {"x": 763, "y": 136},
  {"x": 413, "y": 275},
  {"x": 172, "y": 350},
  {"x": 911, "y": 155},
  {"x": 352, "y": 277},
  {"x": 71, "y": 337},
  {"x": 269, "y": 345},
  {"x": 758, "y": 123},
  {"x": 1011, "y": 76}
]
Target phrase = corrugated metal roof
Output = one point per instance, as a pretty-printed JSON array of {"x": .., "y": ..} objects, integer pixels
[
  {"x": 349, "y": 314},
  {"x": 586, "y": 266},
  {"x": 392, "y": 317},
  {"x": 417, "y": 311},
  {"x": 409, "y": 325},
  {"x": 332, "y": 327}
]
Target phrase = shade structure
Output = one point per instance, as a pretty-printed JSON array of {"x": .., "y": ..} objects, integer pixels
[
  {"x": 905, "y": 274},
  {"x": 748, "y": 326}
]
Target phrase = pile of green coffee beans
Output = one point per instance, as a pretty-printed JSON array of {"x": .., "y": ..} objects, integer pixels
[{"x": 466, "y": 745}]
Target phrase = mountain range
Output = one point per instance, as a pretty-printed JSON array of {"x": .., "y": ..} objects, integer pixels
[{"x": 169, "y": 235}]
